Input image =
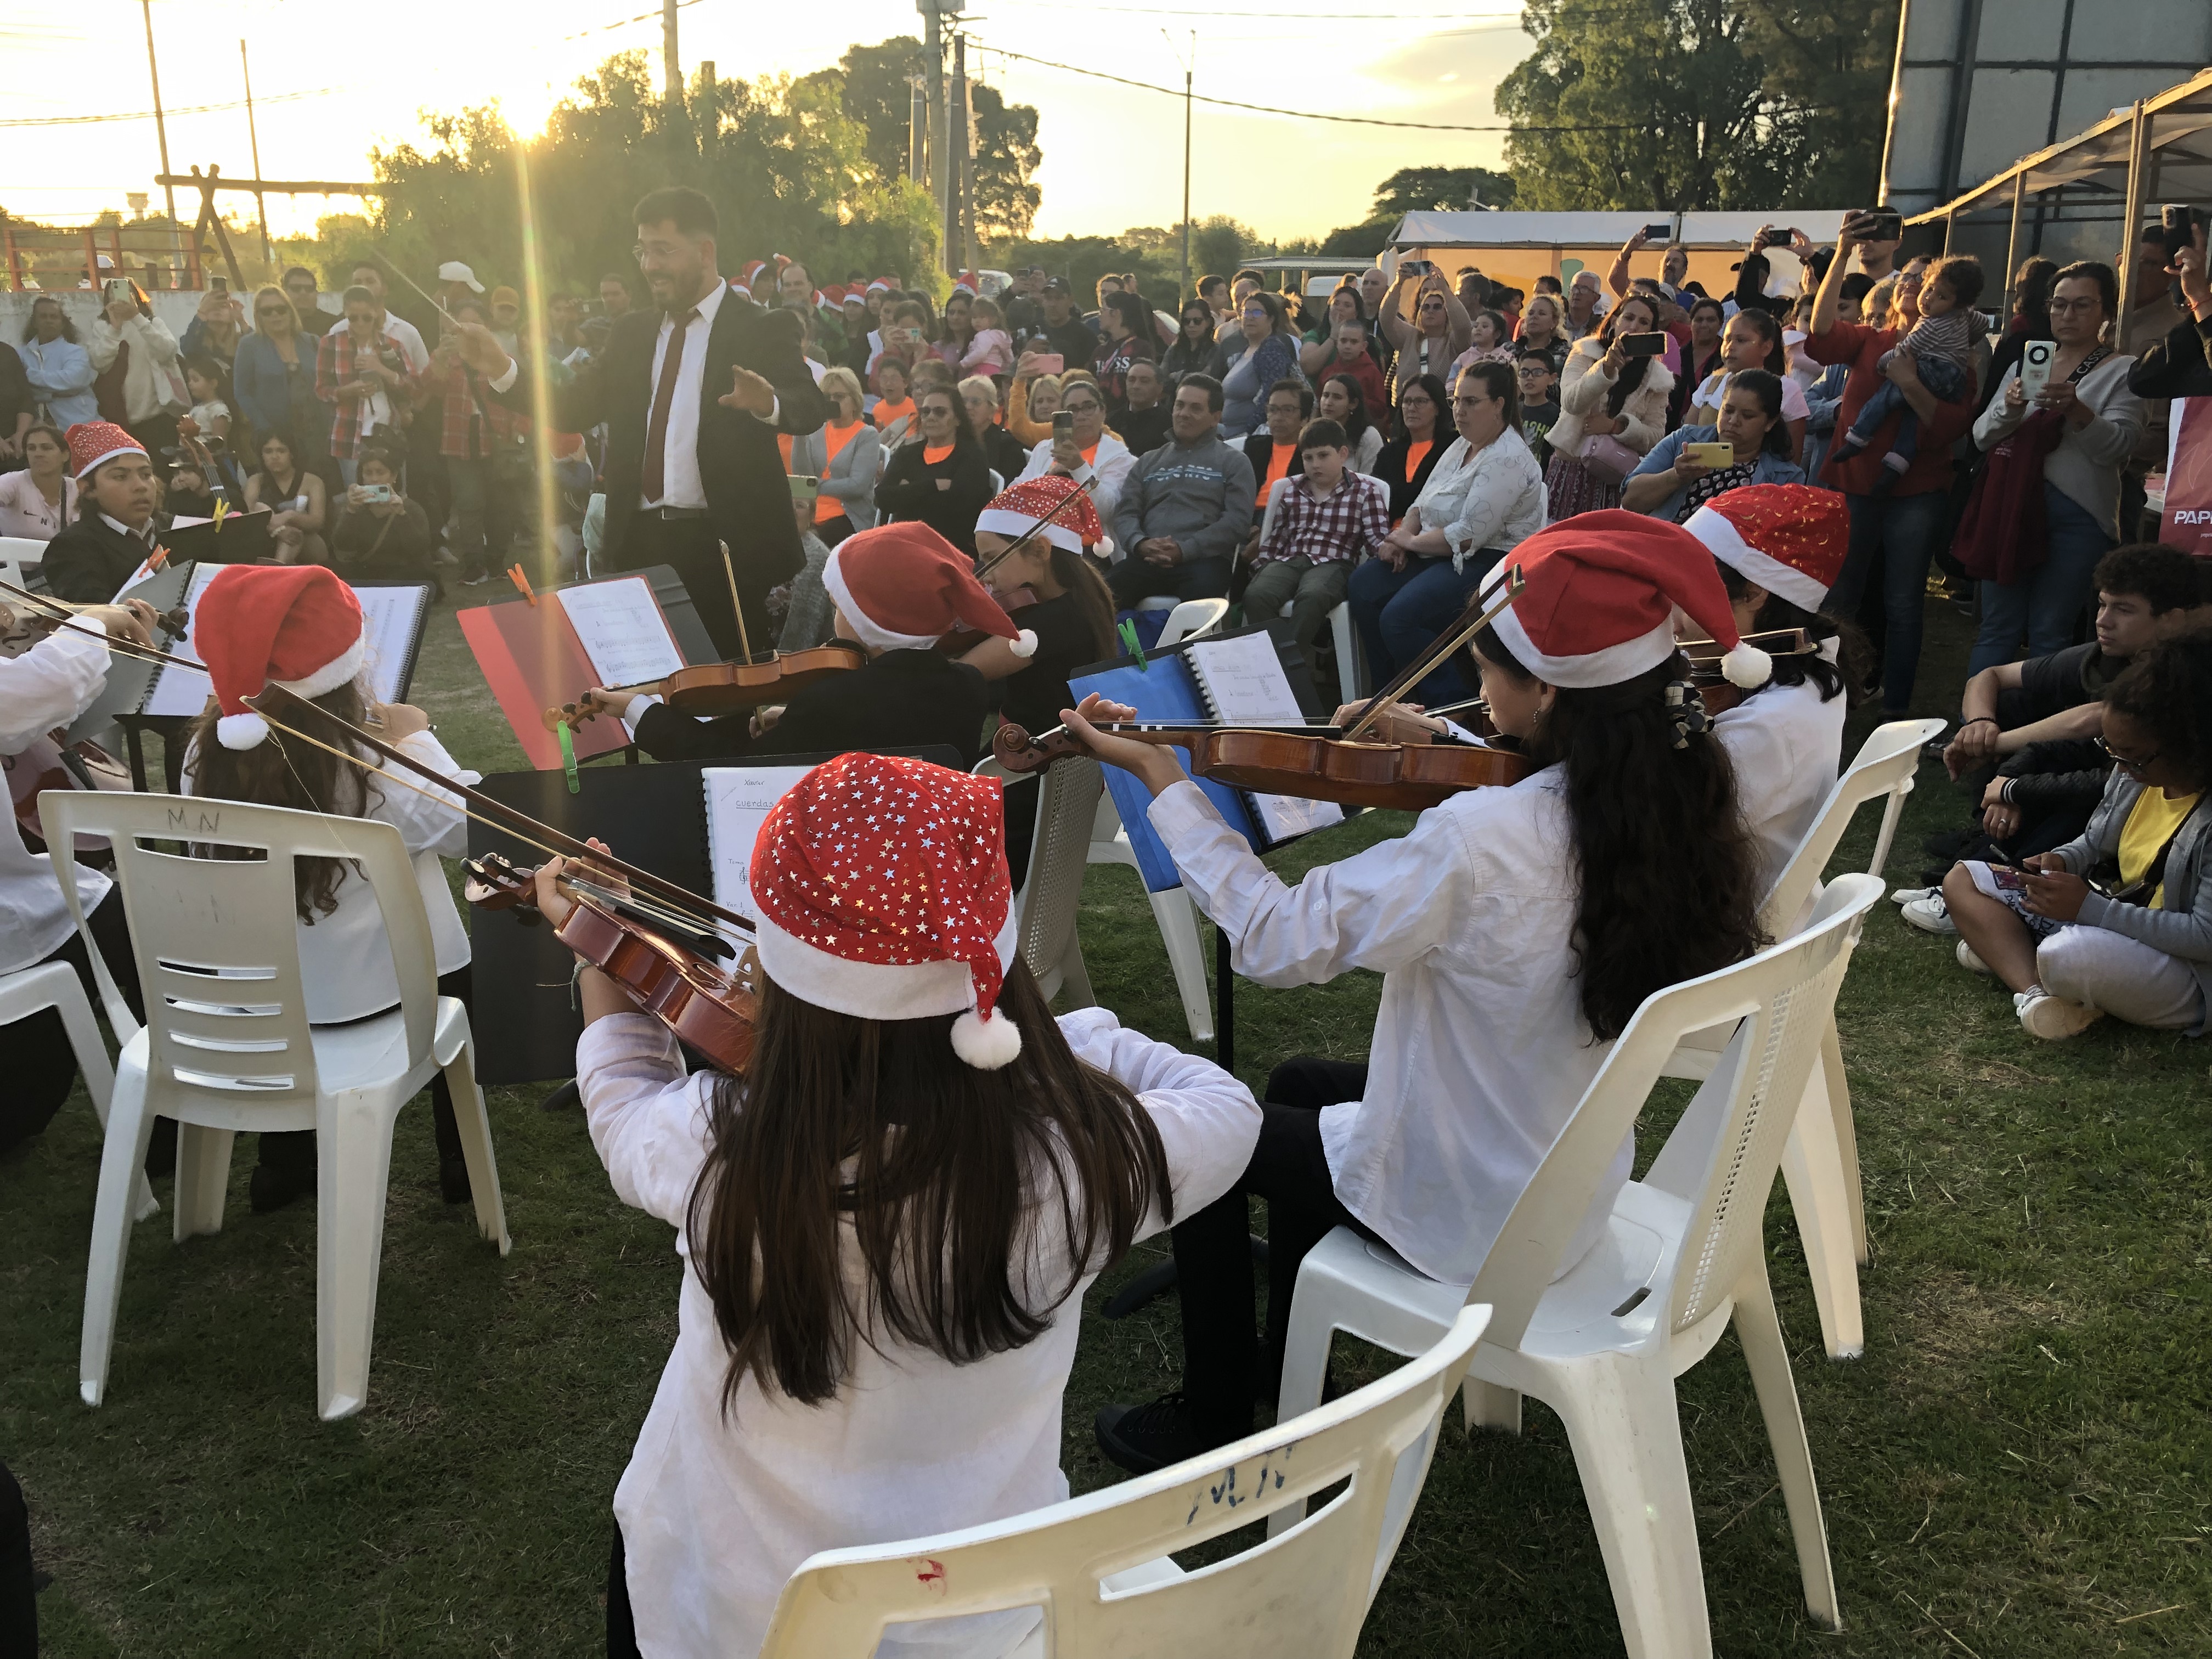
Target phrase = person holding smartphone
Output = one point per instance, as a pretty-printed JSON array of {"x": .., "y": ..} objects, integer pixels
[
  {"x": 1610, "y": 392},
  {"x": 2118, "y": 922},
  {"x": 1748, "y": 443}
]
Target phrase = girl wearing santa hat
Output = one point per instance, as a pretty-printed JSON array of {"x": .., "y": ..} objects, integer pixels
[
  {"x": 1779, "y": 548},
  {"x": 897, "y": 590},
  {"x": 888, "y": 1225},
  {"x": 119, "y": 519},
  {"x": 1072, "y": 618},
  {"x": 1516, "y": 930},
  {"x": 300, "y": 627}
]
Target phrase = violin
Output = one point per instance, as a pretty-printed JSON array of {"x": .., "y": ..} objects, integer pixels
[
  {"x": 661, "y": 943},
  {"x": 963, "y": 640},
  {"x": 37, "y": 615},
  {"x": 1715, "y": 689},
  {"x": 1310, "y": 762},
  {"x": 666, "y": 973},
  {"x": 723, "y": 688}
]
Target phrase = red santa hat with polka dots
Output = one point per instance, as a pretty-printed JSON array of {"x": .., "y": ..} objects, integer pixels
[
  {"x": 1788, "y": 539},
  {"x": 1599, "y": 604},
  {"x": 91, "y": 442},
  {"x": 904, "y": 587},
  {"x": 1020, "y": 508},
  {"x": 297, "y": 626},
  {"x": 882, "y": 892}
]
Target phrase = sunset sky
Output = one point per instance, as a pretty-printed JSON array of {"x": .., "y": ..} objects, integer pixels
[{"x": 326, "y": 93}]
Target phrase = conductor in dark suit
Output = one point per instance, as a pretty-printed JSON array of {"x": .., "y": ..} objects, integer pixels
[{"x": 693, "y": 392}]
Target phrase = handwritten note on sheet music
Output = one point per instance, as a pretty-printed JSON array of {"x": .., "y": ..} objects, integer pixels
[
  {"x": 389, "y": 617},
  {"x": 622, "y": 632},
  {"x": 738, "y": 802},
  {"x": 1243, "y": 679}
]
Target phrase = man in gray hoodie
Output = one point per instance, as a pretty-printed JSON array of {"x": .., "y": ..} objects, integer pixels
[{"x": 1185, "y": 508}]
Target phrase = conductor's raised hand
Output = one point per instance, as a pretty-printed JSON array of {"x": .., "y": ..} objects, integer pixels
[
  {"x": 749, "y": 392},
  {"x": 481, "y": 349}
]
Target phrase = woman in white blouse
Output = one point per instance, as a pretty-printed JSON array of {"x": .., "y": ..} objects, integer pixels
[
  {"x": 1485, "y": 498},
  {"x": 37, "y": 500},
  {"x": 345, "y": 958},
  {"x": 1516, "y": 930}
]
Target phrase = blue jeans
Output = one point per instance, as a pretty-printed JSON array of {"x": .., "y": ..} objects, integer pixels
[
  {"x": 1897, "y": 533},
  {"x": 1940, "y": 374},
  {"x": 1399, "y": 614},
  {"x": 2045, "y": 605}
]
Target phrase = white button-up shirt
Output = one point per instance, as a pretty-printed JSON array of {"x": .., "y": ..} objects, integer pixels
[
  {"x": 1488, "y": 497},
  {"x": 717, "y": 1510},
  {"x": 681, "y": 485},
  {"x": 1481, "y": 1051},
  {"x": 1785, "y": 744},
  {"x": 49, "y": 686}
]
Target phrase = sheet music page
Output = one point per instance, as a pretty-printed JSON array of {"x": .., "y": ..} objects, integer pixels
[
  {"x": 388, "y": 619},
  {"x": 1244, "y": 680},
  {"x": 739, "y": 798},
  {"x": 185, "y": 690},
  {"x": 622, "y": 630}
]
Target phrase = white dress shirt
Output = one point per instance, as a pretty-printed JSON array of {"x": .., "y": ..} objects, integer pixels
[
  {"x": 1110, "y": 467},
  {"x": 49, "y": 686},
  {"x": 1491, "y": 497},
  {"x": 345, "y": 958},
  {"x": 1481, "y": 1051},
  {"x": 681, "y": 485},
  {"x": 408, "y": 338},
  {"x": 1785, "y": 744},
  {"x": 717, "y": 1510}
]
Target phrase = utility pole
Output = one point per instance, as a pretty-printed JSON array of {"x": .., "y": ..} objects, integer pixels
[
  {"x": 253, "y": 135},
  {"x": 940, "y": 145},
  {"x": 917, "y": 130},
  {"x": 160, "y": 126},
  {"x": 1186, "y": 70},
  {"x": 672, "y": 72},
  {"x": 962, "y": 118}
]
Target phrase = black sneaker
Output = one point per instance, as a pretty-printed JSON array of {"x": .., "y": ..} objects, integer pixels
[
  {"x": 276, "y": 1185},
  {"x": 1142, "y": 1438},
  {"x": 453, "y": 1180}
]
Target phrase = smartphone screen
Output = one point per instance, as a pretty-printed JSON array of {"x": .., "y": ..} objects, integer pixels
[
  {"x": 2035, "y": 359},
  {"x": 1643, "y": 345},
  {"x": 1658, "y": 233},
  {"x": 1063, "y": 425}
]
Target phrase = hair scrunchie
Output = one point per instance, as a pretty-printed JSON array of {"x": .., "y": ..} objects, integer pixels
[{"x": 1687, "y": 710}]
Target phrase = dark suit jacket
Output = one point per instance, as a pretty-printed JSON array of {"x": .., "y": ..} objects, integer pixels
[
  {"x": 748, "y": 502},
  {"x": 87, "y": 564},
  {"x": 901, "y": 700}
]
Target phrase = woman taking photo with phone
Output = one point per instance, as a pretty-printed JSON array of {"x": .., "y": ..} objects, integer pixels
[
  {"x": 1613, "y": 409},
  {"x": 1685, "y": 470},
  {"x": 1753, "y": 339}
]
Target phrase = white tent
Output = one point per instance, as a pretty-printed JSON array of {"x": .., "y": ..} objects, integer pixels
[{"x": 1516, "y": 248}]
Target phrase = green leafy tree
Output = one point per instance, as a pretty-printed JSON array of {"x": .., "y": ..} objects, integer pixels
[
  {"x": 1439, "y": 190},
  {"x": 1827, "y": 64},
  {"x": 1007, "y": 156}
]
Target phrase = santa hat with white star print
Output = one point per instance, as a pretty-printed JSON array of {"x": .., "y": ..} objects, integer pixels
[
  {"x": 1788, "y": 539},
  {"x": 1599, "y": 604},
  {"x": 882, "y": 892},
  {"x": 92, "y": 442},
  {"x": 297, "y": 626},
  {"x": 904, "y": 587},
  {"x": 1021, "y": 507}
]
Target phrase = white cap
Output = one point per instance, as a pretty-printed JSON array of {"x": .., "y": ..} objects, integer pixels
[{"x": 454, "y": 271}]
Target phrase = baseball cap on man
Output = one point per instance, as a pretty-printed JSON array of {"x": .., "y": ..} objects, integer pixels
[{"x": 454, "y": 271}]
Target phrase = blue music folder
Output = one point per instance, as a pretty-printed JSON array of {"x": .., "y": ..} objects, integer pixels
[{"x": 1162, "y": 690}]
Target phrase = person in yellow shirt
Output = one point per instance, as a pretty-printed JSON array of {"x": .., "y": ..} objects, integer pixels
[{"x": 2119, "y": 920}]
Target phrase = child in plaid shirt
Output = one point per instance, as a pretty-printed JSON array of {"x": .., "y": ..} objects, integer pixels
[
  {"x": 1942, "y": 345},
  {"x": 1319, "y": 525}
]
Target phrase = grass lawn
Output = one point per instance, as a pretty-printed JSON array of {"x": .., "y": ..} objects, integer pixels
[{"x": 2018, "y": 1466}]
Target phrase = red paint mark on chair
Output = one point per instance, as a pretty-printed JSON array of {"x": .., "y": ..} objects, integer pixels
[{"x": 932, "y": 1575}]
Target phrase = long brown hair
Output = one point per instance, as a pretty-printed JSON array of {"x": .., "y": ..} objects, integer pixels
[
  {"x": 1631, "y": 372},
  {"x": 1669, "y": 891},
  {"x": 1096, "y": 600},
  {"x": 279, "y": 772},
  {"x": 950, "y": 1168}
]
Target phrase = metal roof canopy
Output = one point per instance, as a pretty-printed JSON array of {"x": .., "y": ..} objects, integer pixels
[
  {"x": 1323, "y": 262},
  {"x": 1609, "y": 229},
  {"x": 2165, "y": 141}
]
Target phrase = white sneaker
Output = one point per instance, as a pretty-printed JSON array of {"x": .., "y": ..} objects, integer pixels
[
  {"x": 1972, "y": 962},
  {"x": 1906, "y": 894},
  {"x": 1930, "y": 914},
  {"x": 2053, "y": 1019}
]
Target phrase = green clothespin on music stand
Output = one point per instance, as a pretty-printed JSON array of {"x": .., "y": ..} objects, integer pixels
[
  {"x": 568, "y": 757},
  {"x": 1133, "y": 646}
]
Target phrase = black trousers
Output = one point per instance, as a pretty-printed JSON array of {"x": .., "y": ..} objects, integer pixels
[
  {"x": 1225, "y": 1364},
  {"x": 41, "y": 1065},
  {"x": 1135, "y": 578},
  {"x": 19, "y": 1600},
  {"x": 691, "y": 546},
  {"x": 295, "y": 1149},
  {"x": 622, "y": 1629}
]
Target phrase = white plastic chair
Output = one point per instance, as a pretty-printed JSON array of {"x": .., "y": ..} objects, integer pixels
[
  {"x": 21, "y": 558},
  {"x": 1681, "y": 1256},
  {"x": 1098, "y": 1566},
  {"x": 55, "y": 985},
  {"x": 1187, "y": 619},
  {"x": 1045, "y": 909},
  {"x": 228, "y": 1046},
  {"x": 1820, "y": 1164}
]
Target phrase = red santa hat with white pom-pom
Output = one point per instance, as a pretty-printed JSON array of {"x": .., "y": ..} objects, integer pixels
[
  {"x": 1021, "y": 507},
  {"x": 882, "y": 892},
  {"x": 297, "y": 626},
  {"x": 904, "y": 587},
  {"x": 1788, "y": 539},
  {"x": 1600, "y": 600}
]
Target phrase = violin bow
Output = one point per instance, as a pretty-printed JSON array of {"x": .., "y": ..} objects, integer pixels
[
  {"x": 1508, "y": 578},
  {"x": 64, "y": 618},
  {"x": 1776, "y": 642},
  {"x": 416, "y": 286}
]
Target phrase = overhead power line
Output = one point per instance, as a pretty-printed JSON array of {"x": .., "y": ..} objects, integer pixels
[
  {"x": 148, "y": 114},
  {"x": 1307, "y": 114}
]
